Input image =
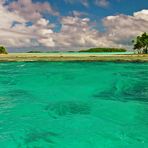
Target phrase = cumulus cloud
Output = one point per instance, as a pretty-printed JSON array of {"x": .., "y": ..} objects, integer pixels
[
  {"x": 79, "y": 14},
  {"x": 14, "y": 31},
  {"x": 7, "y": 17},
  {"x": 76, "y": 31},
  {"x": 102, "y": 3},
  {"x": 141, "y": 15},
  {"x": 7, "y": 35},
  {"x": 122, "y": 28},
  {"x": 31, "y": 11},
  {"x": 83, "y": 2},
  {"x": 79, "y": 32}
]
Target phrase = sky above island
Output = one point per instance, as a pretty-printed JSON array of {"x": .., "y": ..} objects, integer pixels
[{"x": 71, "y": 24}]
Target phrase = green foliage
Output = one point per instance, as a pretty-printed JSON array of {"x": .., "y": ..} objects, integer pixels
[
  {"x": 3, "y": 50},
  {"x": 141, "y": 43},
  {"x": 104, "y": 50},
  {"x": 34, "y": 52}
]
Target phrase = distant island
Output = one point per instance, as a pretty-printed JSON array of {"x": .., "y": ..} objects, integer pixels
[
  {"x": 104, "y": 50},
  {"x": 34, "y": 51}
]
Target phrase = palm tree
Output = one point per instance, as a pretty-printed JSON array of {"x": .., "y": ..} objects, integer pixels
[
  {"x": 3, "y": 50},
  {"x": 141, "y": 43},
  {"x": 145, "y": 42}
]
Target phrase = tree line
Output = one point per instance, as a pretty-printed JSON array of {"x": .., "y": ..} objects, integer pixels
[{"x": 104, "y": 50}]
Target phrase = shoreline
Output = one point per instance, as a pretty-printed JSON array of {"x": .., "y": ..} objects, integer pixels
[{"x": 12, "y": 57}]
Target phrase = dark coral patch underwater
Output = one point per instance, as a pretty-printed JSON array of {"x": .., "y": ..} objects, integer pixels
[{"x": 63, "y": 108}]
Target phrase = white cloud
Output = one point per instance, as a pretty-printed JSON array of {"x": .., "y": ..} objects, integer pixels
[
  {"x": 31, "y": 11},
  {"x": 102, "y": 3},
  {"x": 122, "y": 28},
  {"x": 7, "y": 17},
  {"x": 83, "y": 2},
  {"x": 76, "y": 31},
  {"x": 141, "y": 15},
  {"x": 79, "y": 14},
  {"x": 19, "y": 34},
  {"x": 42, "y": 22}
]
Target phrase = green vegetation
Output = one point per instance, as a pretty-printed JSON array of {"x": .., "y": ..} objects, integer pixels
[
  {"x": 34, "y": 52},
  {"x": 3, "y": 50},
  {"x": 141, "y": 43},
  {"x": 104, "y": 50}
]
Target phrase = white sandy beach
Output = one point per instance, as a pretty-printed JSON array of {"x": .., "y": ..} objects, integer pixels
[{"x": 72, "y": 57}]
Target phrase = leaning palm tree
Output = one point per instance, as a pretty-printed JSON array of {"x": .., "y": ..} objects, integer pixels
[
  {"x": 3, "y": 50},
  {"x": 145, "y": 42},
  {"x": 141, "y": 43}
]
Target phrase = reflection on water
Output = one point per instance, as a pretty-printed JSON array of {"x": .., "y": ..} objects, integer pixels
[{"x": 73, "y": 104}]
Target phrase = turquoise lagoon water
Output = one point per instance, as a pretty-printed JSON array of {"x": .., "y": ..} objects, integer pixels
[
  {"x": 83, "y": 53},
  {"x": 100, "y": 53},
  {"x": 73, "y": 105}
]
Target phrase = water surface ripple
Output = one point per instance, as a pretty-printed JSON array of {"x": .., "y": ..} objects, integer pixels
[{"x": 73, "y": 104}]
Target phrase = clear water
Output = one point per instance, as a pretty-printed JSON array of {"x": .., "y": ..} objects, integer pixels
[
  {"x": 73, "y": 105},
  {"x": 83, "y": 53},
  {"x": 100, "y": 53}
]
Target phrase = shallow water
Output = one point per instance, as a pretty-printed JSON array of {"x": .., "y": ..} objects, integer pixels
[
  {"x": 73, "y": 104},
  {"x": 81, "y": 53},
  {"x": 100, "y": 53}
]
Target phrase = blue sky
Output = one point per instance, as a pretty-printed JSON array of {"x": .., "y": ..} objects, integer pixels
[
  {"x": 114, "y": 7},
  {"x": 95, "y": 12},
  {"x": 71, "y": 24}
]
